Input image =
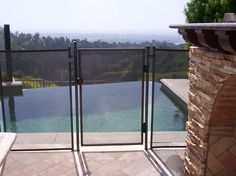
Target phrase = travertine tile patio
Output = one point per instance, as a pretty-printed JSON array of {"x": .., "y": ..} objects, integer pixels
[
  {"x": 120, "y": 163},
  {"x": 173, "y": 159},
  {"x": 40, "y": 164},
  {"x": 66, "y": 164}
]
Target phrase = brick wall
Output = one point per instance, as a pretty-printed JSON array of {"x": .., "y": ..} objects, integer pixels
[{"x": 211, "y": 134}]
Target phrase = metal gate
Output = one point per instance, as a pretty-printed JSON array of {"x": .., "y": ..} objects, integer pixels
[{"x": 111, "y": 96}]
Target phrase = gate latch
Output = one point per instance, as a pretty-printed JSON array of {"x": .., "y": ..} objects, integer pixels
[
  {"x": 145, "y": 68},
  {"x": 144, "y": 127}
]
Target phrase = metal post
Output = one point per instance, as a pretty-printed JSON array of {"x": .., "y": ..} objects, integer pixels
[
  {"x": 71, "y": 102},
  {"x": 153, "y": 91},
  {"x": 142, "y": 96},
  {"x": 7, "y": 36},
  {"x": 76, "y": 93},
  {"x": 146, "y": 66},
  {"x": 80, "y": 97}
]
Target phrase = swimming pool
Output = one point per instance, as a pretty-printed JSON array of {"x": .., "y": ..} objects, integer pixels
[{"x": 114, "y": 107}]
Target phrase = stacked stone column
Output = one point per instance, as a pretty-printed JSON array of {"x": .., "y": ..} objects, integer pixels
[{"x": 209, "y": 72}]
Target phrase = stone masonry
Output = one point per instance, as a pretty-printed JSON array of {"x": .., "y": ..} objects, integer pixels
[{"x": 211, "y": 126}]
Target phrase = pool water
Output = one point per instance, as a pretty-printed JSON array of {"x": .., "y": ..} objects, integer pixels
[{"x": 112, "y": 107}]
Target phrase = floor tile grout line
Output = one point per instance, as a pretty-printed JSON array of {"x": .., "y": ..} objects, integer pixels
[{"x": 81, "y": 162}]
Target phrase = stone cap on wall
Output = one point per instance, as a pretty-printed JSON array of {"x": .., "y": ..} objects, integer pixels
[{"x": 214, "y": 36}]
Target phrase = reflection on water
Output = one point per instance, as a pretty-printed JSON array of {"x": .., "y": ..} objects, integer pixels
[
  {"x": 168, "y": 114},
  {"x": 12, "y": 114},
  {"x": 106, "y": 107},
  {"x": 112, "y": 107}
]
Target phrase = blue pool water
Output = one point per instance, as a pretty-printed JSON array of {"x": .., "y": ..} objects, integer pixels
[{"x": 106, "y": 108}]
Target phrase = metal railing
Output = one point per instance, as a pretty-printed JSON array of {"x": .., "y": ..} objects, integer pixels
[{"x": 148, "y": 72}]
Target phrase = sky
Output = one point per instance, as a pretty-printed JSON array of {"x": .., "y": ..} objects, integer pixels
[{"x": 92, "y": 16}]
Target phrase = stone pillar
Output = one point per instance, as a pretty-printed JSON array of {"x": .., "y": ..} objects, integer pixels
[{"x": 211, "y": 126}]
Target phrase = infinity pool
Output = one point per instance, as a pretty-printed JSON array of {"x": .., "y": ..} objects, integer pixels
[{"x": 112, "y": 107}]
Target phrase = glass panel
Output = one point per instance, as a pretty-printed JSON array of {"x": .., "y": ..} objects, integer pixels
[
  {"x": 170, "y": 98},
  {"x": 37, "y": 103},
  {"x": 112, "y": 92}
]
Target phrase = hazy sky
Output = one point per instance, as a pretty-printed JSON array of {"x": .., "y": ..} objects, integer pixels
[{"x": 92, "y": 16}]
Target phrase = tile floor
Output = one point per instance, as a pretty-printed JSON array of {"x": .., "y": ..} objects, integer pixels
[
  {"x": 173, "y": 160},
  {"x": 120, "y": 164},
  {"x": 66, "y": 164},
  {"x": 40, "y": 164}
]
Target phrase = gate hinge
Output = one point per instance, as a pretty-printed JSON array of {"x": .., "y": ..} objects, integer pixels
[
  {"x": 144, "y": 127},
  {"x": 145, "y": 68}
]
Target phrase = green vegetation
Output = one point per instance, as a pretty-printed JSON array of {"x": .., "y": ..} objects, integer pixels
[
  {"x": 199, "y": 11},
  {"x": 171, "y": 75},
  {"x": 45, "y": 68},
  {"x": 29, "y": 82},
  {"x": 34, "y": 83},
  {"x": 171, "y": 64}
]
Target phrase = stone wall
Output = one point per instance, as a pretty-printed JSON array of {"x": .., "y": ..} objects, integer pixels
[{"x": 211, "y": 134}]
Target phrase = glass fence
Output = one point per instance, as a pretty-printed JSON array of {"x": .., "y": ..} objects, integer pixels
[
  {"x": 169, "y": 101},
  {"x": 112, "y": 94},
  {"x": 37, "y": 102},
  {"x": 111, "y": 97}
]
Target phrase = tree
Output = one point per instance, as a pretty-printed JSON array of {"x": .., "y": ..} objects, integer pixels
[{"x": 200, "y": 11}]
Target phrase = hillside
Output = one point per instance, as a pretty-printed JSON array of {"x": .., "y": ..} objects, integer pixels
[{"x": 97, "y": 67}]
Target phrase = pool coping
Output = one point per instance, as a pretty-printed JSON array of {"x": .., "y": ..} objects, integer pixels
[{"x": 176, "y": 89}]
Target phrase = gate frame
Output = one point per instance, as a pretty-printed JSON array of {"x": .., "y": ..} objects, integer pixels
[{"x": 79, "y": 82}]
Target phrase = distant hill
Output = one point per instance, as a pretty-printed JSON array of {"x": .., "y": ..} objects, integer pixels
[
  {"x": 97, "y": 67},
  {"x": 122, "y": 38}
]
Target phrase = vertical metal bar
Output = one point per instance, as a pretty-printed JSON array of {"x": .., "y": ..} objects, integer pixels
[
  {"x": 7, "y": 36},
  {"x": 142, "y": 98},
  {"x": 146, "y": 96},
  {"x": 153, "y": 93},
  {"x": 80, "y": 98},
  {"x": 2, "y": 103},
  {"x": 71, "y": 103},
  {"x": 76, "y": 94}
]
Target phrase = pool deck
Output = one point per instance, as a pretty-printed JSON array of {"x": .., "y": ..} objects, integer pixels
[
  {"x": 177, "y": 88},
  {"x": 121, "y": 163},
  {"x": 117, "y": 161},
  {"x": 103, "y": 161}
]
